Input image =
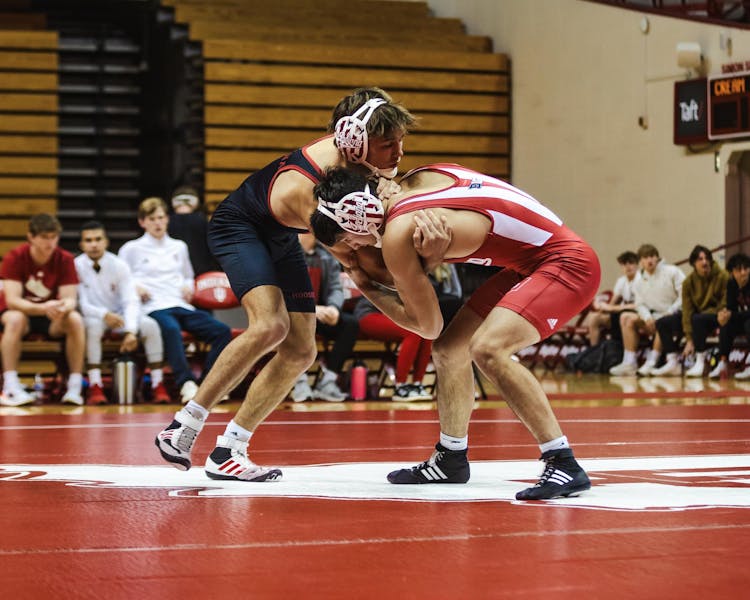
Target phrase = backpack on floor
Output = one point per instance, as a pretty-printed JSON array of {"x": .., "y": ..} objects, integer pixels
[{"x": 597, "y": 359}]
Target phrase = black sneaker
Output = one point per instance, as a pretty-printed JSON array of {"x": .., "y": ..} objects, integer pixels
[
  {"x": 562, "y": 477},
  {"x": 444, "y": 466}
]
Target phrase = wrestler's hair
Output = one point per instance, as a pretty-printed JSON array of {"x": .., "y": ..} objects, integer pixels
[
  {"x": 44, "y": 223},
  {"x": 697, "y": 252},
  {"x": 334, "y": 185},
  {"x": 387, "y": 120},
  {"x": 150, "y": 205},
  {"x": 628, "y": 258}
]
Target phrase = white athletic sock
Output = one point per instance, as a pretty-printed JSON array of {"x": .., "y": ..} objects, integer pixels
[
  {"x": 74, "y": 382},
  {"x": 10, "y": 381},
  {"x": 157, "y": 376},
  {"x": 556, "y": 444},
  {"x": 196, "y": 410},
  {"x": 454, "y": 443},
  {"x": 653, "y": 356},
  {"x": 628, "y": 357},
  {"x": 95, "y": 377},
  {"x": 237, "y": 432}
]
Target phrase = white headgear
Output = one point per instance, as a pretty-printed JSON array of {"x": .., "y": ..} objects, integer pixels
[
  {"x": 359, "y": 213},
  {"x": 351, "y": 136}
]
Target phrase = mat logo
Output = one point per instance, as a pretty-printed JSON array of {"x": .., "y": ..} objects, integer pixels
[{"x": 633, "y": 484}]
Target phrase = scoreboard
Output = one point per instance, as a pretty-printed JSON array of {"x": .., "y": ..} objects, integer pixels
[
  {"x": 728, "y": 98},
  {"x": 713, "y": 108}
]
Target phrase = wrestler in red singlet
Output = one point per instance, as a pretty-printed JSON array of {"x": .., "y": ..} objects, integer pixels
[{"x": 555, "y": 273}]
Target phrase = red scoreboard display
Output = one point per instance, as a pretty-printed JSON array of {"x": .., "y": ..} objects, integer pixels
[{"x": 728, "y": 99}]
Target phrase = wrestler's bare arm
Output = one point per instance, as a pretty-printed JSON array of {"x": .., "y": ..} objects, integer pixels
[{"x": 414, "y": 305}]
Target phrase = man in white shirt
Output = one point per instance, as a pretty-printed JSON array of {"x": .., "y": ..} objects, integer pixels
[
  {"x": 109, "y": 302},
  {"x": 165, "y": 282},
  {"x": 658, "y": 293}
]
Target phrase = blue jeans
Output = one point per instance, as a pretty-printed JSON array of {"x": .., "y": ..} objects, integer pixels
[{"x": 173, "y": 321}]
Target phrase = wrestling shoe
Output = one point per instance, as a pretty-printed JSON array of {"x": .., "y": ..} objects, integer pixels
[
  {"x": 562, "y": 477},
  {"x": 444, "y": 466},
  {"x": 229, "y": 461},
  {"x": 176, "y": 441}
]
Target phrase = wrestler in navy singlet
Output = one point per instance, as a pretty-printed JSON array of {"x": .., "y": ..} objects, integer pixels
[{"x": 253, "y": 247}]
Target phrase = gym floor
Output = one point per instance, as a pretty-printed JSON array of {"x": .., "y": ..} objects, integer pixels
[{"x": 89, "y": 509}]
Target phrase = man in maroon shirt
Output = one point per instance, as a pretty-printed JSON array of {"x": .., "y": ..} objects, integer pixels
[{"x": 40, "y": 285}]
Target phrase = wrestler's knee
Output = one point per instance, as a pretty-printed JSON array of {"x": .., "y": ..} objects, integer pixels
[
  {"x": 489, "y": 353},
  {"x": 446, "y": 350}
]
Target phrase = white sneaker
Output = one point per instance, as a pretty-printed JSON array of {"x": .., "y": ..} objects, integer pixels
[
  {"x": 743, "y": 374},
  {"x": 623, "y": 369},
  {"x": 718, "y": 370},
  {"x": 696, "y": 370},
  {"x": 73, "y": 397},
  {"x": 188, "y": 391},
  {"x": 329, "y": 391},
  {"x": 17, "y": 397},
  {"x": 668, "y": 369},
  {"x": 301, "y": 390},
  {"x": 647, "y": 368},
  {"x": 229, "y": 461}
]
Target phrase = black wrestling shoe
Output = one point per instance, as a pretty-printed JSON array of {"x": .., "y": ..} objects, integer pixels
[
  {"x": 562, "y": 477},
  {"x": 444, "y": 466}
]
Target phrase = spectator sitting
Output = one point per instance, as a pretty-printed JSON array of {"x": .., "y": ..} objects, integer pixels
[
  {"x": 40, "y": 284},
  {"x": 190, "y": 225},
  {"x": 606, "y": 315},
  {"x": 734, "y": 318},
  {"x": 658, "y": 293},
  {"x": 165, "y": 282},
  {"x": 704, "y": 292},
  {"x": 109, "y": 302},
  {"x": 331, "y": 322},
  {"x": 414, "y": 351}
]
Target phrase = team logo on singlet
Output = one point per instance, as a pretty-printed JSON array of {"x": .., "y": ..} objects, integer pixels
[
  {"x": 552, "y": 323},
  {"x": 485, "y": 262}
]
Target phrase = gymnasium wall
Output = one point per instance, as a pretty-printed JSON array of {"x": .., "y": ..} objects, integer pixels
[{"x": 583, "y": 74}]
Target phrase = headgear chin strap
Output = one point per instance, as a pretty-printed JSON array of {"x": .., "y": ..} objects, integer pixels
[
  {"x": 360, "y": 213},
  {"x": 351, "y": 137}
]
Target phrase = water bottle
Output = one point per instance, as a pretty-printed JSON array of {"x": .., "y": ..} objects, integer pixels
[
  {"x": 38, "y": 387},
  {"x": 359, "y": 381},
  {"x": 124, "y": 379}
]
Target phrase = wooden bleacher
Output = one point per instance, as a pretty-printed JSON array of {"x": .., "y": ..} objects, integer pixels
[
  {"x": 265, "y": 95},
  {"x": 28, "y": 129}
]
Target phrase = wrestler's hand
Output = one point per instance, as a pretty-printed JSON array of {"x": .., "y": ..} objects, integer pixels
[
  {"x": 432, "y": 237},
  {"x": 387, "y": 188}
]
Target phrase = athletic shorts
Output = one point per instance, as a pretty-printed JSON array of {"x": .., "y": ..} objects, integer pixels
[
  {"x": 252, "y": 257},
  {"x": 558, "y": 290}
]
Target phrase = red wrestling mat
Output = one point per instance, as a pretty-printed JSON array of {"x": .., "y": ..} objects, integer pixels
[{"x": 89, "y": 509}]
